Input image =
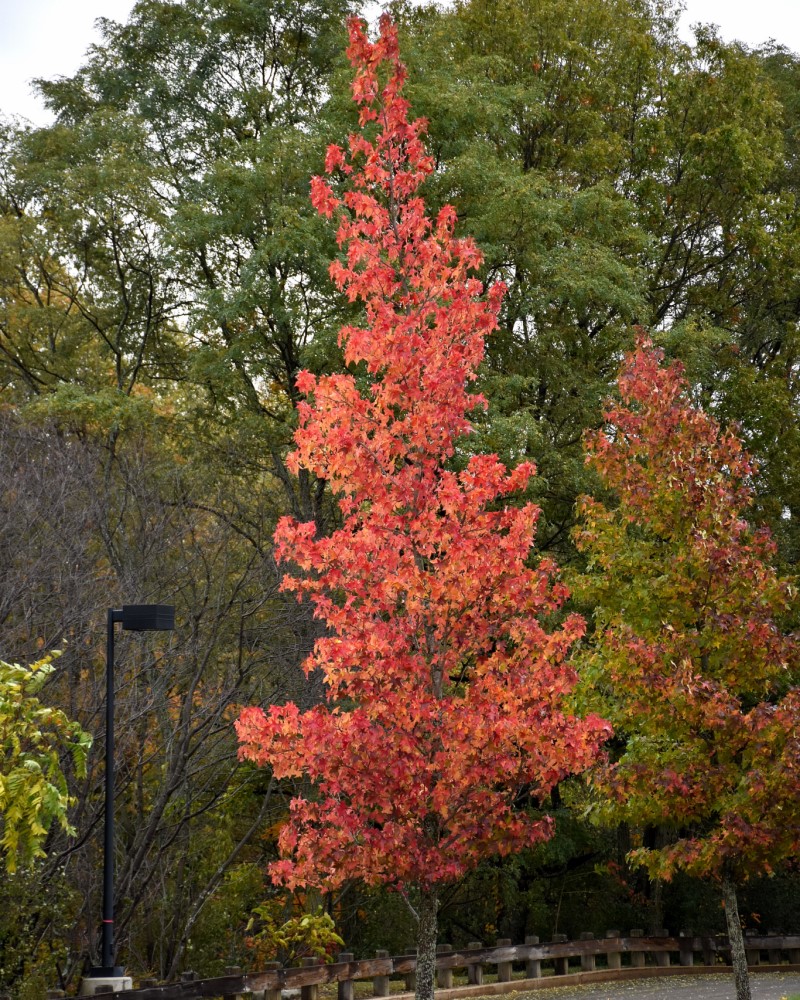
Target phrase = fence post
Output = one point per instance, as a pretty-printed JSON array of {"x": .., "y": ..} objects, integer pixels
[
  {"x": 475, "y": 969},
  {"x": 662, "y": 957},
  {"x": 444, "y": 977},
  {"x": 380, "y": 984},
  {"x": 587, "y": 961},
  {"x": 344, "y": 988},
  {"x": 774, "y": 953},
  {"x": 504, "y": 969},
  {"x": 411, "y": 978},
  {"x": 687, "y": 953},
  {"x": 753, "y": 955},
  {"x": 561, "y": 964},
  {"x": 637, "y": 957},
  {"x": 232, "y": 970},
  {"x": 533, "y": 966},
  {"x": 310, "y": 992},
  {"x": 274, "y": 994},
  {"x": 613, "y": 958}
]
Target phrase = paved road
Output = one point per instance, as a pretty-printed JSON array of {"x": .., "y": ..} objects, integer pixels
[{"x": 768, "y": 986}]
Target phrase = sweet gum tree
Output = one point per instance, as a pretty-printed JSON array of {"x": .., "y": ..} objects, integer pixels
[
  {"x": 445, "y": 688},
  {"x": 690, "y": 660}
]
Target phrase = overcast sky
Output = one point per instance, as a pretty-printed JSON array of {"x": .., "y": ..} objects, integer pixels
[{"x": 48, "y": 38}]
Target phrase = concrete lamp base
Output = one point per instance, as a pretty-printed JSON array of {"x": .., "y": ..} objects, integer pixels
[{"x": 89, "y": 984}]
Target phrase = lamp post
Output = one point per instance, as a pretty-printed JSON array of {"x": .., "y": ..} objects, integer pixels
[{"x": 133, "y": 618}]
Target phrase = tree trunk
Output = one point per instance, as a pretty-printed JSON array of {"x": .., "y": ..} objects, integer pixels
[
  {"x": 736, "y": 938},
  {"x": 426, "y": 943}
]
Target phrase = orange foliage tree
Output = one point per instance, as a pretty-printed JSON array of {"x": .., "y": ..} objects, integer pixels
[
  {"x": 691, "y": 660},
  {"x": 446, "y": 676}
]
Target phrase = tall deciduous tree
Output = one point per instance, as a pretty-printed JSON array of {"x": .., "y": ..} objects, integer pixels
[
  {"x": 689, "y": 658},
  {"x": 446, "y": 691},
  {"x": 613, "y": 175}
]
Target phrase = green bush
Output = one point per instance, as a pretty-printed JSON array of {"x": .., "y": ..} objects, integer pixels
[{"x": 33, "y": 736}]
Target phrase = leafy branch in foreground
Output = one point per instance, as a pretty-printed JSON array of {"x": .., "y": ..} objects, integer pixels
[{"x": 33, "y": 736}]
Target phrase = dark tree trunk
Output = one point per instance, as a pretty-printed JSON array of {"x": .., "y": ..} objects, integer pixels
[
  {"x": 426, "y": 943},
  {"x": 736, "y": 938}
]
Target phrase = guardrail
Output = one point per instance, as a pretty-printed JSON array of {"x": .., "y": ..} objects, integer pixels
[{"x": 622, "y": 956}]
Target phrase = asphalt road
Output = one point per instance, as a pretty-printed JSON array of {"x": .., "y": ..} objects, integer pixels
[{"x": 767, "y": 986}]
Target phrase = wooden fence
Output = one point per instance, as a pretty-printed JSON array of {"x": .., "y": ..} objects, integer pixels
[{"x": 614, "y": 956}]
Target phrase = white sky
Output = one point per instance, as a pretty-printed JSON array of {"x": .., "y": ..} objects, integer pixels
[{"x": 48, "y": 38}]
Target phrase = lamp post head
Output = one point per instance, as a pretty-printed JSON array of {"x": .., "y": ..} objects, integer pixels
[{"x": 146, "y": 617}]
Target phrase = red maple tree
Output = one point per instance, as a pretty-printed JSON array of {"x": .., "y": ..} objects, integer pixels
[
  {"x": 445, "y": 687},
  {"x": 691, "y": 660}
]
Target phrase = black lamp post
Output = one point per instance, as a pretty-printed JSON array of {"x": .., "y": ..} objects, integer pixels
[{"x": 133, "y": 618}]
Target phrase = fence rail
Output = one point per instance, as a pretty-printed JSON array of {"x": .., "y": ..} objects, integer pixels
[{"x": 662, "y": 950}]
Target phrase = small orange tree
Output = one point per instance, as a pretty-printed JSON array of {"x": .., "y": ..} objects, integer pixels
[
  {"x": 689, "y": 661},
  {"x": 446, "y": 690}
]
